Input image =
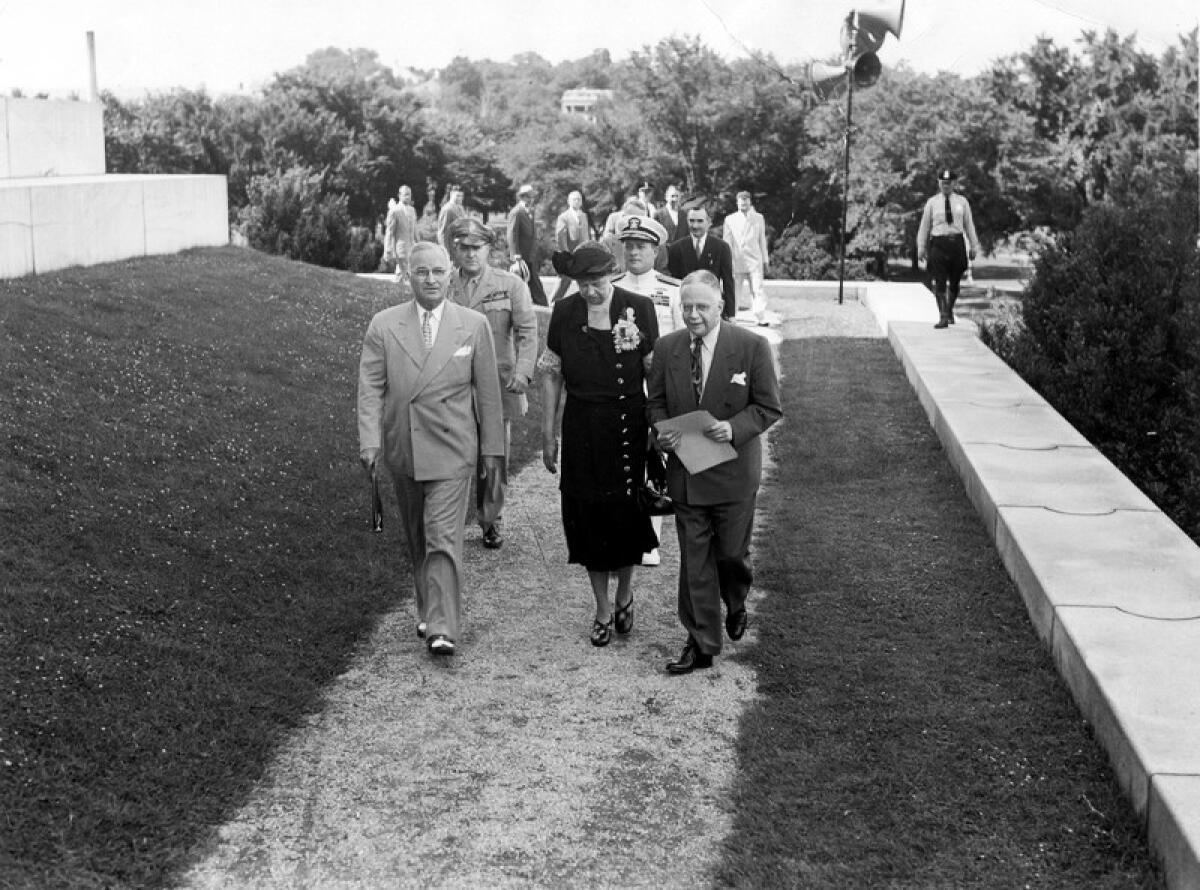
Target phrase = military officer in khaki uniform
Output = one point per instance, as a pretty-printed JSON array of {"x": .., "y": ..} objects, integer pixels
[{"x": 504, "y": 300}]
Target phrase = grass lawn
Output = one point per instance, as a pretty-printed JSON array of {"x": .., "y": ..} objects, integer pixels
[
  {"x": 911, "y": 730},
  {"x": 184, "y": 560}
]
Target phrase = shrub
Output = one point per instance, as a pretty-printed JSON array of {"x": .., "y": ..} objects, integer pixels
[
  {"x": 801, "y": 254},
  {"x": 289, "y": 214},
  {"x": 365, "y": 251},
  {"x": 1110, "y": 335}
]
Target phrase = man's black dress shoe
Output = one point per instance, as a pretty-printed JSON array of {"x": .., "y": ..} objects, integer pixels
[
  {"x": 692, "y": 659},
  {"x": 440, "y": 644},
  {"x": 735, "y": 624},
  {"x": 491, "y": 538}
]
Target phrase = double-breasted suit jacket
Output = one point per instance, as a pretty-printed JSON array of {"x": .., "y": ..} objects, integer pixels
[
  {"x": 716, "y": 257},
  {"x": 742, "y": 388},
  {"x": 432, "y": 412}
]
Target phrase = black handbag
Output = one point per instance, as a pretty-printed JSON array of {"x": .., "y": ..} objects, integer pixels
[
  {"x": 653, "y": 502},
  {"x": 652, "y": 496}
]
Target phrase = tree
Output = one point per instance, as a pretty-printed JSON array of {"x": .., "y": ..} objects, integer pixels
[
  {"x": 681, "y": 89},
  {"x": 173, "y": 132},
  {"x": 906, "y": 128},
  {"x": 1115, "y": 121}
]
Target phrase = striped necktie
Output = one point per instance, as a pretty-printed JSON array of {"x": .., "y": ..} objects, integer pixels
[
  {"x": 427, "y": 328},
  {"x": 698, "y": 367}
]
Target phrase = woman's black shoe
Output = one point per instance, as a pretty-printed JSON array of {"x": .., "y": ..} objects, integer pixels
[
  {"x": 602, "y": 632},
  {"x": 624, "y": 617}
]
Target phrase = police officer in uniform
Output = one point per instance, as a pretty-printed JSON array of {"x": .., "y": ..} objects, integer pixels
[
  {"x": 944, "y": 221},
  {"x": 504, "y": 300}
]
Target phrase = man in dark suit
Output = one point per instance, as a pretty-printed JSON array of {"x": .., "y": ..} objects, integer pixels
[
  {"x": 429, "y": 406},
  {"x": 703, "y": 250},
  {"x": 671, "y": 216},
  {"x": 522, "y": 243},
  {"x": 729, "y": 372}
]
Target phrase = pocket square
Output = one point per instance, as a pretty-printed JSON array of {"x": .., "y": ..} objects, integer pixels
[
  {"x": 466, "y": 350},
  {"x": 739, "y": 378}
]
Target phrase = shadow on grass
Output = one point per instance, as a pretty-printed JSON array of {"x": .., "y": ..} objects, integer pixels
[
  {"x": 186, "y": 558},
  {"x": 910, "y": 729}
]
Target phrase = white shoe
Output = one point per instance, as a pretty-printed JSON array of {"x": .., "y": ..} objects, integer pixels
[
  {"x": 421, "y": 630},
  {"x": 653, "y": 558}
]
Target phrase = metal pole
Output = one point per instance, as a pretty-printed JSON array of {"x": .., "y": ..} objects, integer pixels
[
  {"x": 91, "y": 48},
  {"x": 851, "y": 49},
  {"x": 846, "y": 184}
]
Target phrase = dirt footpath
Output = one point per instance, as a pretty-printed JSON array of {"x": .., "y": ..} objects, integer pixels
[{"x": 530, "y": 758}]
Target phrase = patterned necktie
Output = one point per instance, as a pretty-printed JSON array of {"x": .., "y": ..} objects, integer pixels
[
  {"x": 949, "y": 215},
  {"x": 427, "y": 329},
  {"x": 697, "y": 367}
]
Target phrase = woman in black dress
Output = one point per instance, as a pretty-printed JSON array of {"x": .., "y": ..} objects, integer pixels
[{"x": 597, "y": 352}]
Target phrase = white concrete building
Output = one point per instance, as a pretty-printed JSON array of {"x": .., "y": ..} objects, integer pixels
[
  {"x": 59, "y": 208},
  {"x": 583, "y": 102}
]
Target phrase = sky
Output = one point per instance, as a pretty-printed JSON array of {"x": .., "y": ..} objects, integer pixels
[{"x": 229, "y": 45}]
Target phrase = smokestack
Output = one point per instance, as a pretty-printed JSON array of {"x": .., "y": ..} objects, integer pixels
[{"x": 91, "y": 44}]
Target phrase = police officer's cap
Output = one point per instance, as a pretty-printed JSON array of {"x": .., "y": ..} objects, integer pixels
[
  {"x": 470, "y": 232},
  {"x": 947, "y": 174},
  {"x": 642, "y": 228}
]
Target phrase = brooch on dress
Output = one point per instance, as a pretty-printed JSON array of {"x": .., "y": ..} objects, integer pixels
[{"x": 626, "y": 335}]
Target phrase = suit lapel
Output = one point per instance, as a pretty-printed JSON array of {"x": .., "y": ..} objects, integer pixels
[
  {"x": 407, "y": 332},
  {"x": 720, "y": 369}
]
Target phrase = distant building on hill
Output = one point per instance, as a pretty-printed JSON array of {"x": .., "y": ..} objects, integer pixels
[{"x": 583, "y": 102}]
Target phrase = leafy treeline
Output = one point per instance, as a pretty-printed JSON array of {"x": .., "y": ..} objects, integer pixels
[{"x": 1037, "y": 138}]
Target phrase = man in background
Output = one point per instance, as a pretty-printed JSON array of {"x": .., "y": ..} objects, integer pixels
[
  {"x": 428, "y": 406},
  {"x": 571, "y": 229},
  {"x": 401, "y": 230},
  {"x": 746, "y": 233},
  {"x": 945, "y": 223},
  {"x": 700, "y": 249},
  {"x": 645, "y": 195},
  {"x": 453, "y": 210},
  {"x": 504, "y": 300},
  {"x": 671, "y": 217},
  {"x": 522, "y": 243}
]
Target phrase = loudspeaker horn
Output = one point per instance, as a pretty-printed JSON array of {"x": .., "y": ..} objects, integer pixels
[
  {"x": 825, "y": 80},
  {"x": 875, "y": 23}
]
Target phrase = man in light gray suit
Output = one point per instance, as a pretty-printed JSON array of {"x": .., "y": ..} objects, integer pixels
[
  {"x": 429, "y": 404},
  {"x": 729, "y": 372}
]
